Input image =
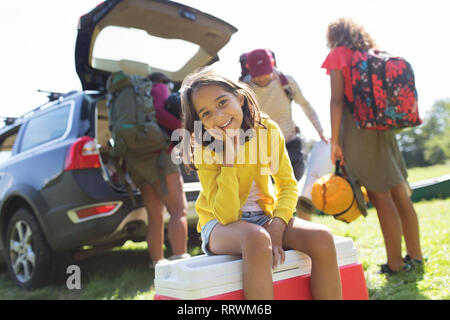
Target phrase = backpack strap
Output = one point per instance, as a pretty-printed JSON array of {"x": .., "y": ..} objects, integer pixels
[
  {"x": 356, "y": 187},
  {"x": 337, "y": 170},
  {"x": 340, "y": 171},
  {"x": 119, "y": 165},
  {"x": 346, "y": 210},
  {"x": 138, "y": 100},
  {"x": 285, "y": 84}
]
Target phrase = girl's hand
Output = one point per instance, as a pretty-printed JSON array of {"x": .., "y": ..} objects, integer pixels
[
  {"x": 276, "y": 229},
  {"x": 229, "y": 144},
  {"x": 229, "y": 151},
  {"x": 336, "y": 153},
  {"x": 217, "y": 133}
]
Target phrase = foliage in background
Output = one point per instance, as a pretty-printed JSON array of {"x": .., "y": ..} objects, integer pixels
[{"x": 429, "y": 143}]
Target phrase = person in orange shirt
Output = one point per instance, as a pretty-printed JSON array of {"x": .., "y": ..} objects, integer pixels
[{"x": 235, "y": 153}]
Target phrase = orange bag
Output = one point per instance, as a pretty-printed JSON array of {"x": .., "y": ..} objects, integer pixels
[{"x": 333, "y": 194}]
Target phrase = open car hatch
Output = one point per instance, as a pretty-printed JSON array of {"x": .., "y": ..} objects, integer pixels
[{"x": 145, "y": 36}]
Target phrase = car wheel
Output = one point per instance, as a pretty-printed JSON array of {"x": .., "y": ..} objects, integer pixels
[{"x": 28, "y": 254}]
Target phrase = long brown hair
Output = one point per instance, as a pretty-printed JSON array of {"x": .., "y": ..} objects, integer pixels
[
  {"x": 349, "y": 33},
  {"x": 208, "y": 77}
]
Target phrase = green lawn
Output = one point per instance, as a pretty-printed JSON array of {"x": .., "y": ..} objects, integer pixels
[
  {"x": 432, "y": 283},
  {"x": 424, "y": 173},
  {"x": 123, "y": 273}
]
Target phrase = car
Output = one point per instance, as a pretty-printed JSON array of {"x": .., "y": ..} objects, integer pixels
[{"x": 59, "y": 192}]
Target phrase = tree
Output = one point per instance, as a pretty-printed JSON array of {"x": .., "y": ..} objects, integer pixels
[
  {"x": 429, "y": 143},
  {"x": 412, "y": 145}
]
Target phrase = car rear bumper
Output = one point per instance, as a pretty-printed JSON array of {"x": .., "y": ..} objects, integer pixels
[{"x": 87, "y": 188}]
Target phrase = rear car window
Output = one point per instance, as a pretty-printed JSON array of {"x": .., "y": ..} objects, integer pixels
[
  {"x": 119, "y": 44},
  {"x": 44, "y": 128},
  {"x": 7, "y": 143}
]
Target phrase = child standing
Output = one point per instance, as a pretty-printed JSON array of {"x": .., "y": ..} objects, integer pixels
[
  {"x": 275, "y": 98},
  {"x": 239, "y": 213},
  {"x": 372, "y": 157}
]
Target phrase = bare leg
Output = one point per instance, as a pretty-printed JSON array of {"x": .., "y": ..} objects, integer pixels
[
  {"x": 176, "y": 204},
  {"x": 409, "y": 220},
  {"x": 253, "y": 242},
  {"x": 155, "y": 231},
  {"x": 391, "y": 227},
  {"x": 302, "y": 215},
  {"x": 317, "y": 242}
]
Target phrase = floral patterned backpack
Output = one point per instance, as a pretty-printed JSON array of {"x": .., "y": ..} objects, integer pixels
[{"x": 384, "y": 92}]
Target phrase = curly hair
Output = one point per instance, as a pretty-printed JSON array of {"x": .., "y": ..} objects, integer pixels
[{"x": 348, "y": 33}]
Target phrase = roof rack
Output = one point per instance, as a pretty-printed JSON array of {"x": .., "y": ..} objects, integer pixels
[
  {"x": 8, "y": 120},
  {"x": 52, "y": 96}
]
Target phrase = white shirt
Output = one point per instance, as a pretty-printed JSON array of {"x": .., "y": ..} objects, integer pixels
[
  {"x": 251, "y": 204},
  {"x": 274, "y": 102}
]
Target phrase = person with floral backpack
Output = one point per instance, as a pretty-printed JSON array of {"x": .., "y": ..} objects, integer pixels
[
  {"x": 372, "y": 157},
  {"x": 384, "y": 91}
]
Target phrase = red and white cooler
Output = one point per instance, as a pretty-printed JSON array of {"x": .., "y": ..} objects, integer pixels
[{"x": 220, "y": 277}]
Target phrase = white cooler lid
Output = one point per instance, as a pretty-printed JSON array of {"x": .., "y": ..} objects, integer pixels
[{"x": 205, "y": 276}]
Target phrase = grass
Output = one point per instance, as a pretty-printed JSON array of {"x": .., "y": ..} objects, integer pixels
[
  {"x": 424, "y": 173},
  {"x": 432, "y": 283},
  {"x": 123, "y": 273}
]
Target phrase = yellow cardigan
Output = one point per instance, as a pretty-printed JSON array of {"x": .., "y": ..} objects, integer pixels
[{"x": 226, "y": 189}]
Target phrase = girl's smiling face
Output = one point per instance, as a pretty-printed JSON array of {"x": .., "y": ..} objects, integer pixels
[{"x": 218, "y": 108}]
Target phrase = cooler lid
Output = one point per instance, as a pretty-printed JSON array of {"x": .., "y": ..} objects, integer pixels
[{"x": 204, "y": 276}]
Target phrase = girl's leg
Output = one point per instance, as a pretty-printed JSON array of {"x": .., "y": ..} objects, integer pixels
[
  {"x": 155, "y": 229},
  {"x": 409, "y": 220},
  {"x": 176, "y": 204},
  {"x": 391, "y": 227},
  {"x": 317, "y": 242},
  {"x": 253, "y": 242},
  {"x": 302, "y": 215}
]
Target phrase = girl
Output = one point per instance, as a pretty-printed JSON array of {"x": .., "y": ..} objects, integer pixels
[
  {"x": 372, "y": 157},
  {"x": 239, "y": 214}
]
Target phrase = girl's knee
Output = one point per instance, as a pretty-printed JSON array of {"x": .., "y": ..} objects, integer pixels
[
  {"x": 176, "y": 205},
  {"x": 401, "y": 192},
  {"x": 324, "y": 234},
  {"x": 256, "y": 239},
  {"x": 177, "y": 212},
  {"x": 322, "y": 242}
]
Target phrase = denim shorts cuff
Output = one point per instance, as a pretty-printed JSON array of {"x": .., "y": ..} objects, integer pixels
[{"x": 206, "y": 233}]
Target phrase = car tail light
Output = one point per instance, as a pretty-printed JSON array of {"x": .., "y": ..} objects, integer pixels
[
  {"x": 94, "y": 211},
  {"x": 83, "y": 154}
]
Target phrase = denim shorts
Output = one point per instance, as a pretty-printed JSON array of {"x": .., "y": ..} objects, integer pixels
[{"x": 256, "y": 217}]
